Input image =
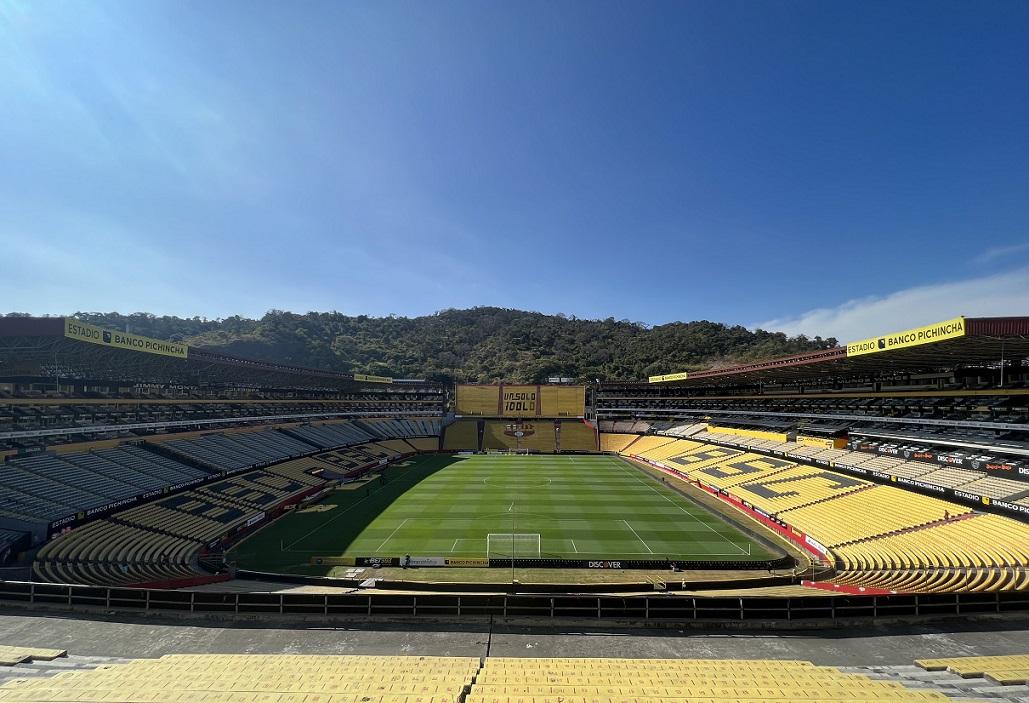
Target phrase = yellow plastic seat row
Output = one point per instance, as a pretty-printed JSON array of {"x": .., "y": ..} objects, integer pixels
[
  {"x": 310, "y": 685},
  {"x": 328, "y": 674},
  {"x": 677, "y": 690},
  {"x": 236, "y": 659},
  {"x": 654, "y": 680},
  {"x": 9, "y": 656},
  {"x": 724, "y": 695},
  {"x": 143, "y": 695},
  {"x": 385, "y": 668},
  {"x": 976, "y": 666},
  {"x": 740, "y": 689},
  {"x": 356, "y": 676},
  {"x": 594, "y": 663}
]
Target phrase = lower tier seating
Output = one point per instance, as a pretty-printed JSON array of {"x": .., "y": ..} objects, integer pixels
[
  {"x": 576, "y": 435},
  {"x": 231, "y": 678},
  {"x": 159, "y": 541},
  {"x": 239, "y": 678},
  {"x": 462, "y": 435},
  {"x": 532, "y": 435},
  {"x": 878, "y": 535}
]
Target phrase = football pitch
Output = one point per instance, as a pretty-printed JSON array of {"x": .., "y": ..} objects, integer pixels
[{"x": 500, "y": 506}]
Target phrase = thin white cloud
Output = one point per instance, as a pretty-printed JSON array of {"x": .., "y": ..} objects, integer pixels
[
  {"x": 988, "y": 296},
  {"x": 994, "y": 253}
]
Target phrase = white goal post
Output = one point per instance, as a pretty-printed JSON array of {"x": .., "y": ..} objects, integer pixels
[{"x": 509, "y": 545}]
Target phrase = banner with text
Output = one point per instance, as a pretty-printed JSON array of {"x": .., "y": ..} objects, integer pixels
[
  {"x": 938, "y": 332},
  {"x": 85, "y": 332}
]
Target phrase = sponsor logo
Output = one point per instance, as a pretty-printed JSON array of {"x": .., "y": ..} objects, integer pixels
[
  {"x": 818, "y": 546},
  {"x": 938, "y": 332},
  {"x": 367, "y": 378},
  {"x": 664, "y": 378},
  {"x": 1014, "y": 507},
  {"x": 605, "y": 564},
  {"x": 84, "y": 332},
  {"x": 994, "y": 467}
]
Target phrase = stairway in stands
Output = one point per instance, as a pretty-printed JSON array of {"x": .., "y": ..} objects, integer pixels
[
  {"x": 29, "y": 663},
  {"x": 949, "y": 683}
]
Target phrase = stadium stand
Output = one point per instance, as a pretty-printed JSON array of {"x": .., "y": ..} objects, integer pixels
[
  {"x": 616, "y": 442},
  {"x": 232, "y": 678},
  {"x": 1006, "y": 670},
  {"x": 532, "y": 435},
  {"x": 424, "y": 444},
  {"x": 335, "y": 434},
  {"x": 160, "y": 541},
  {"x": 462, "y": 435},
  {"x": 230, "y": 452},
  {"x": 576, "y": 436},
  {"x": 877, "y": 535}
]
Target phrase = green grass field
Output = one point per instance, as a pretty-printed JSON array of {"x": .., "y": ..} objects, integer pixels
[{"x": 571, "y": 507}]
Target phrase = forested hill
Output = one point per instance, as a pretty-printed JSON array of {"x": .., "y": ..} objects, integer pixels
[{"x": 480, "y": 344}]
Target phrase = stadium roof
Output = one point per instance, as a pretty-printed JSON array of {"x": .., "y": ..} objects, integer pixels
[
  {"x": 948, "y": 344},
  {"x": 71, "y": 349}
]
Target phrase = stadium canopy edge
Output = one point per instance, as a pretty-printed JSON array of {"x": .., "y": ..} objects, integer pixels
[{"x": 952, "y": 341}]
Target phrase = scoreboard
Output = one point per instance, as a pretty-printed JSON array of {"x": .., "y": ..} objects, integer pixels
[{"x": 520, "y": 400}]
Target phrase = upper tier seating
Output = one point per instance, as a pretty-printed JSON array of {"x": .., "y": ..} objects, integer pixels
[
  {"x": 333, "y": 434},
  {"x": 90, "y": 419},
  {"x": 48, "y": 488},
  {"x": 229, "y": 452},
  {"x": 399, "y": 428}
]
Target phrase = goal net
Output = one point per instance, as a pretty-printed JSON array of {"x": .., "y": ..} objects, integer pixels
[{"x": 512, "y": 545}]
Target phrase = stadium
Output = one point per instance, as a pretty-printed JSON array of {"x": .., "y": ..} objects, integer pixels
[
  {"x": 514, "y": 352},
  {"x": 881, "y": 481}
]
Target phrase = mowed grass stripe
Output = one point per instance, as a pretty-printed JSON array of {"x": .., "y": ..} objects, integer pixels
[{"x": 583, "y": 507}]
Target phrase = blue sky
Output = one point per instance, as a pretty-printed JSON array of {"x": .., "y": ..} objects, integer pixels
[{"x": 822, "y": 167}]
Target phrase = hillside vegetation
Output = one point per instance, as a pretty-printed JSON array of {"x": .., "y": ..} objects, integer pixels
[{"x": 479, "y": 345}]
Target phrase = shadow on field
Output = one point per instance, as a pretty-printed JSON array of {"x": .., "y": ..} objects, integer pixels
[{"x": 328, "y": 528}]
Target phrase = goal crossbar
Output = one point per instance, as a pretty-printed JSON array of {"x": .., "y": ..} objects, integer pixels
[{"x": 513, "y": 544}]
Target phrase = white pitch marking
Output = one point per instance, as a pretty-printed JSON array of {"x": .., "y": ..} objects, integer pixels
[
  {"x": 638, "y": 537},
  {"x": 695, "y": 518},
  {"x": 573, "y": 546},
  {"x": 392, "y": 533},
  {"x": 455, "y": 546}
]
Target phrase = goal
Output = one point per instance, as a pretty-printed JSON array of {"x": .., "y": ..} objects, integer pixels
[{"x": 506, "y": 545}]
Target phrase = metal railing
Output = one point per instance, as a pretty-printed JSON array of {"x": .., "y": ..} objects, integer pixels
[{"x": 668, "y": 607}]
